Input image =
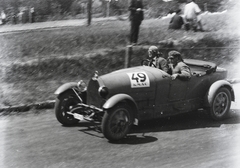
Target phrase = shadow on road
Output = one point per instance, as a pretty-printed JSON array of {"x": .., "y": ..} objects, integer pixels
[
  {"x": 193, "y": 120},
  {"x": 92, "y": 129},
  {"x": 95, "y": 130},
  {"x": 135, "y": 140}
]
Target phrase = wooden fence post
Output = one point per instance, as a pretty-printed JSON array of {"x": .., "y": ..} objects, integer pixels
[
  {"x": 128, "y": 56},
  {"x": 108, "y": 8},
  {"x": 89, "y": 10},
  {"x": 205, "y": 7}
]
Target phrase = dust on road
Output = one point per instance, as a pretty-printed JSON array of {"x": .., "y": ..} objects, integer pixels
[{"x": 36, "y": 139}]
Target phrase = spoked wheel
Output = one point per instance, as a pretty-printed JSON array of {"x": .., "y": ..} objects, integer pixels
[
  {"x": 117, "y": 122},
  {"x": 63, "y": 104},
  {"x": 221, "y": 104}
]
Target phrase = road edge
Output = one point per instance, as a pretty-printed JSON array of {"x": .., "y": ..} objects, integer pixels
[{"x": 49, "y": 104}]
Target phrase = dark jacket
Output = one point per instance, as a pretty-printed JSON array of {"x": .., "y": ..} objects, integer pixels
[
  {"x": 136, "y": 15},
  {"x": 176, "y": 22},
  {"x": 162, "y": 64},
  {"x": 182, "y": 69}
]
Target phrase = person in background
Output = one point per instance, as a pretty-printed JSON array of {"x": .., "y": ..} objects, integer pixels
[
  {"x": 178, "y": 69},
  {"x": 156, "y": 59},
  {"x": 199, "y": 23},
  {"x": 136, "y": 17},
  {"x": 3, "y": 17},
  {"x": 176, "y": 21},
  {"x": 20, "y": 16},
  {"x": 191, "y": 12},
  {"x": 32, "y": 15}
]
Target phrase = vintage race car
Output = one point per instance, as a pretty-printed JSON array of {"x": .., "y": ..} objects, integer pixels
[{"x": 124, "y": 97}]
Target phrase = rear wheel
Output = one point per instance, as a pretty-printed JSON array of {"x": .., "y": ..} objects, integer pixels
[
  {"x": 116, "y": 122},
  {"x": 221, "y": 104},
  {"x": 63, "y": 104}
]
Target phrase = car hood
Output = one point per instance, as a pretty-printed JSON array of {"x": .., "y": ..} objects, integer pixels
[
  {"x": 137, "y": 82},
  {"x": 136, "y": 77}
]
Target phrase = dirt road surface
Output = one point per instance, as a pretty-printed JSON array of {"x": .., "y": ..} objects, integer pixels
[
  {"x": 35, "y": 139},
  {"x": 49, "y": 25}
]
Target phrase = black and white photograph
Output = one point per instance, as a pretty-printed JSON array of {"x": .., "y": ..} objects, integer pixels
[{"x": 119, "y": 84}]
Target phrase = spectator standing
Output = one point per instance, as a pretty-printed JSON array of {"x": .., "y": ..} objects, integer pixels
[
  {"x": 191, "y": 12},
  {"x": 136, "y": 17},
  {"x": 176, "y": 21},
  {"x": 20, "y": 16},
  {"x": 3, "y": 17},
  {"x": 199, "y": 23},
  {"x": 32, "y": 15}
]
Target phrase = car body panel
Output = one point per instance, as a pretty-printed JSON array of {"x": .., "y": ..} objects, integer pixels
[
  {"x": 112, "y": 101},
  {"x": 152, "y": 93},
  {"x": 65, "y": 87},
  {"x": 124, "y": 82},
  {"x": 213, "y": 89}
]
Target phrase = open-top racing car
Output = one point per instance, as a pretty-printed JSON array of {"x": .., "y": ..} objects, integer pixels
[{"x": 124, "y": 97}]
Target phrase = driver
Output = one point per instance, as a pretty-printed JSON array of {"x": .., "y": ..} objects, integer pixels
[
  {"x": 155, "y": 58},
  {"x": 177, "y": 67}
]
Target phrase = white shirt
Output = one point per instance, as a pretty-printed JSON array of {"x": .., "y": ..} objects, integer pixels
[
  {"x": 191, "y": 10},
  {"x": 3, "y": 15}
]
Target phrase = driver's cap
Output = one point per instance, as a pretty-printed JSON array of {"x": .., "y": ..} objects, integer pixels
[
  {"x": 153, "y": 49},
  {"x": 173, "y": 54}
]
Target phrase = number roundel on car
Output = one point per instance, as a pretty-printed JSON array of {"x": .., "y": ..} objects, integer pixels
[{"x": 139, "y": 79}]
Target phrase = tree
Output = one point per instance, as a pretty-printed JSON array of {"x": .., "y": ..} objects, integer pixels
[{"x": 65, "y": 5}]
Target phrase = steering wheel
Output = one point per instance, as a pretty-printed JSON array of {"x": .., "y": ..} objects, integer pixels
[{"x": 148, "y": 62}]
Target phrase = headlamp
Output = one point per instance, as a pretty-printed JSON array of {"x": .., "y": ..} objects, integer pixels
[
  {"x": 82, "y": 86},
  {"x": 103, "y": 91}
]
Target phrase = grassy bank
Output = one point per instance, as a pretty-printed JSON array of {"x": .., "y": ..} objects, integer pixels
[{"x": 36, "y": 63}]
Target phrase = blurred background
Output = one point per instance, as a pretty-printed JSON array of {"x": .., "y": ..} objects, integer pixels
[
  {"x": 50, "y": 42},
  {"x": 23, "y": 11}
]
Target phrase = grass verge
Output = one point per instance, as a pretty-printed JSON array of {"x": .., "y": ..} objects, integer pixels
[{"x": 36, "y": 63}]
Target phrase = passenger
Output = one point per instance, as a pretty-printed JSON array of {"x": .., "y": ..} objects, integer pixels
[
  {"x": 155, "y": 56},
  {"x": 177, "y": 67}
]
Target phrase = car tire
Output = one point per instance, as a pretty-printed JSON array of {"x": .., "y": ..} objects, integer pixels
[
  {"x": 221, "y": 104},
  {"x": 116, "y": 122},
  {"x": 62, "y": 105}
]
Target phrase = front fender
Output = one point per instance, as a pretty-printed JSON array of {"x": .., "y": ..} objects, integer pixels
[
  {"x": 213, "y": 89},
  {"x": 119, "y": 98},
  {"x": 65, "y": 87},
  {"x": 111, "y": 102}
]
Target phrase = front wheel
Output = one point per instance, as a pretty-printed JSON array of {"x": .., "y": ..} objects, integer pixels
[
  {"x": 221, "y": 104},
  {"x": 116, "y": 122},
  {"x": 63, "y": 104}
]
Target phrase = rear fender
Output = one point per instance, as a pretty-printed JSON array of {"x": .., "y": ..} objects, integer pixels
[
  {"x": 111, "y": 102},
  {"x": 213, "y": 89},
  {"x": 65, "y": 87}
]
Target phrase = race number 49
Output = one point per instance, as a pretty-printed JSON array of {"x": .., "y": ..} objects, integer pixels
[{"x": 139, "y": 79}]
